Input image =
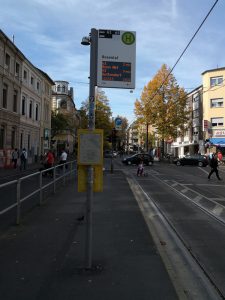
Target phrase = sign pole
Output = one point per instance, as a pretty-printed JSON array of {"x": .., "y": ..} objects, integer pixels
[{"x": 91, "y": 126}]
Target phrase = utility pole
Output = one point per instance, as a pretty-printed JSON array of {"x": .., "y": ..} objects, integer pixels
[{"x": 92, "y": 41}]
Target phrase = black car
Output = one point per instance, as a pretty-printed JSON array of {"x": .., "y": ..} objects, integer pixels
[
  {"x": 197, "y": 160},
  {"x": 137, "y": 158}
]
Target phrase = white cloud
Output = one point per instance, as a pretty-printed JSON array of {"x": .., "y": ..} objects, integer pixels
[{"x": 49, "y": 33}]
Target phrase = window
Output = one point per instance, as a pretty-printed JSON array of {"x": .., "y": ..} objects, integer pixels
[
  {"x": 38, "y": 86},
  {"x": 17, "y": 69},
  {"x": 195, "y": 114},
  {"x": 216, "y": 80},
  {"x": 216, "y": 102},
  {"x": 23, "y": 105},
  {"x": 15, "y": 96},
  {"x": 36, "y": 112},
  {"x": 2, "y": 136},
  {"x": 28, "y": 141},
  {"x": 13, "y": 138},
  {"x": 32, "y": 80},
  {"x": 7, "y": 61},
  {"x": 63, "y": 104},
  {"x": 21, "y": 141},
  {"x": 5, "y": 95},
  {"x": 58, "y": 88},
  {"x": 217, "y": 122},
  {"x": 63, "y": 89},
  {"x": 46, "y": 112},
  {"x": 25, "y": 75},
  {"x": 30, "y": 109}
]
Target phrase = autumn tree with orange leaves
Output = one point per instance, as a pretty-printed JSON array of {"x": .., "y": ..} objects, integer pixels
[{"x": 163, "y": 104}]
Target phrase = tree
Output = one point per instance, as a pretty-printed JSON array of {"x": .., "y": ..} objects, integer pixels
[
  {"x": 59, "y": 123},
  {"x": 163, "y": 104},
  {"x": 103, "y": 114}
]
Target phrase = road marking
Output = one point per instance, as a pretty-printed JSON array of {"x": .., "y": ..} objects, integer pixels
[
  {"x": 198, "y": 198},
  {"x": 188, "y": 278}
]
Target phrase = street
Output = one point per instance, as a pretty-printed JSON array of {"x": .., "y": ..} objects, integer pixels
[{"x": 192, "y": 208}]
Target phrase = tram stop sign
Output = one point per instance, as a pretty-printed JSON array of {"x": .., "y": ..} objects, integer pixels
[{"x": 116, "y": 59}]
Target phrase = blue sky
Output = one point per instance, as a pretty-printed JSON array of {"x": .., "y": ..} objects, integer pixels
[{"x": 49, "y": 33}]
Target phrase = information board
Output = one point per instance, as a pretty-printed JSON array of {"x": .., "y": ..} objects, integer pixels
[
  {"x": 90, "y": 147},
  {"x": 116, "y": 59}
]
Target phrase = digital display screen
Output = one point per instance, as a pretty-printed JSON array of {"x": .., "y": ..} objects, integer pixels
[{"x": 116, "y": 71}]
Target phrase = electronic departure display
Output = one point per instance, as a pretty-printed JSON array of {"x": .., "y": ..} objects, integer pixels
[{"x": 116, "y": 71}]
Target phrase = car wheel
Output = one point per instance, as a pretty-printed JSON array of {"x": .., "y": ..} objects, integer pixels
[
  {"x": 200, "y": 164},
  {"x": 178, "y": 163},
  {"x": 129, "y": 162}
]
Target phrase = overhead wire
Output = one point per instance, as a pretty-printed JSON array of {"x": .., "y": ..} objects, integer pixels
[
  {"x": 186, "y": 47},
  {"x": 211, "y": 9}
]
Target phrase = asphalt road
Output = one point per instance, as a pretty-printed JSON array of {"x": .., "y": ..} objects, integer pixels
[
  {"x": 195, "y": 209},
  {"x": 193, "y": 206}
]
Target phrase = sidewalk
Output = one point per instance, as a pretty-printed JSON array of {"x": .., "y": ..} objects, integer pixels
[{"x": 44, "y": 257}]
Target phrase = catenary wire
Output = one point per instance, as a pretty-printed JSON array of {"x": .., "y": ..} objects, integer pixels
[{"x": 186, "y": 47}]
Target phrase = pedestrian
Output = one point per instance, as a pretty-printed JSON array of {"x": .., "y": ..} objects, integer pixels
[
  {"x": 63, "y": 157},
  {"x": 140, "y": 169},
  {"x": 15, "y": 156},
  {"x": 23, "y": 160},
  {"x": 220, "y": 157},
  {"x": 49, "y": 162},
  {"x": 214, "y": 167}
]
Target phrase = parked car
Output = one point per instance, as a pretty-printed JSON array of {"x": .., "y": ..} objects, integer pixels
[
  {"x": 197, "y": 160},
  {"x": 136, "y": 158},
  {"x": 109, "y": 154}
]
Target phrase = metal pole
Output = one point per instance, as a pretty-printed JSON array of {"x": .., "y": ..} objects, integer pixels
[
  {"x": 147, "y": 137},
  {"x": 41, "y": 191},
  {"x": 18, "y": 191},
  {"x": 91, "y": 126}
]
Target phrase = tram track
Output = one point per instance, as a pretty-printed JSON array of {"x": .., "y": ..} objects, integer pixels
[{"x": 194, "y": 280}]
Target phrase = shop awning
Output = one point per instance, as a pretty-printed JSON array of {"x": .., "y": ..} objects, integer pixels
[{"x": 218, "y": 142}]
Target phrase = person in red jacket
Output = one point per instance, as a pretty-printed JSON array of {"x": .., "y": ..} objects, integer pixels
[
  {"x": 220, "y": 157},
  {"x": 49, "y": 161}
]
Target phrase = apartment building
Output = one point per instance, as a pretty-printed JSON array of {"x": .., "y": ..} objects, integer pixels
[
  {"x": 24, "y": 90},
  {"x": 191, "y": 141},
  {"x": 214, "y": 108}
]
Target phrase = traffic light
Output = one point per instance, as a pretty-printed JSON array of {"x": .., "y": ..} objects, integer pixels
[{"x": 114, "y": 136}]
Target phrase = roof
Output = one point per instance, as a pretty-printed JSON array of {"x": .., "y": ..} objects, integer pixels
[
  {"x": 212, "y": 70},
  {"x": 195, "y": 90},
  {"x": 24, "y": 57},
  {"x": 46, "y": 76}
]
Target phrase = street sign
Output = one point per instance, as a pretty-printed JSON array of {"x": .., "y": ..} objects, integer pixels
[
  {"x": 116, "y": 59},
  {"x": 118, "y": 123}
]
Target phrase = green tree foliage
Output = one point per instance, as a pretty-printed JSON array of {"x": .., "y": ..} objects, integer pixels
[
  {"x": 59, "y": 123},
  {"x": 103, "y": 114},
  {"x": 164, "y": 106}
]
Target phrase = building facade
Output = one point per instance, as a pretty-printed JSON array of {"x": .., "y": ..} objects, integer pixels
[
  {"x": 63, "y": 102},
  {"x": 214, "y": 108},
  {"x": 192, "y": 140},
  {"x": 24, "y": 90}
]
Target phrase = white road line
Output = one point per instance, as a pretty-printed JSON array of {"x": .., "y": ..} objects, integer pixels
[{"x": 203, "y": 170}]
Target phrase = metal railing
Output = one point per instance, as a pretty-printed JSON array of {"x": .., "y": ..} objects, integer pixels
[{"x": 65, "y": 170}]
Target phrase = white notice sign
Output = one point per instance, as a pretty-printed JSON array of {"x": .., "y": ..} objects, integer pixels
[{"x": 90, "y": 147}]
